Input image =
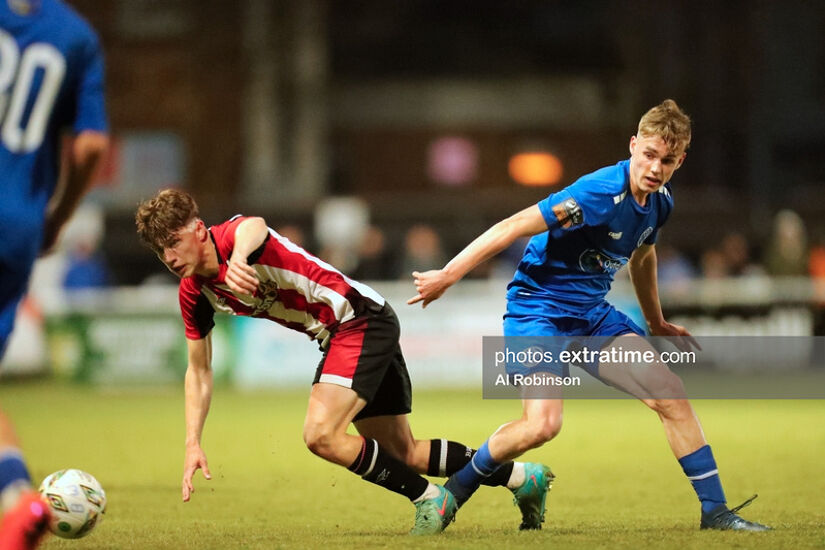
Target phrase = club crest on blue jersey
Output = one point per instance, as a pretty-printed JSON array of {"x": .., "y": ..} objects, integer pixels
[{"x": 569, "y": 213}]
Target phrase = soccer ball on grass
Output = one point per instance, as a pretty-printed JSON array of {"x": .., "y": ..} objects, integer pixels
[{"x": 77, "y": 502}]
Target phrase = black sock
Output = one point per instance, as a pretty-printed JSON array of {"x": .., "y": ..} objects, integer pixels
[
  {"x": 377, "y": 466},
  {"x": 500, "y": 477},
  {"x": 448, "y": 457}
]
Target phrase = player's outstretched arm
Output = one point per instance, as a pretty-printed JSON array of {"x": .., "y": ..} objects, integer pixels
[
  {"x": 78, "y": 168},
  {"x": 198, "y": 392},
  {"x": 249, "y": 235},
  {"x": 432, "y": 284},
  {"x": 642, "y": 268}
]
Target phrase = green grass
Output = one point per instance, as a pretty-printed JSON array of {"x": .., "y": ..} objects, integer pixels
[{"x": 617, "y": 484}]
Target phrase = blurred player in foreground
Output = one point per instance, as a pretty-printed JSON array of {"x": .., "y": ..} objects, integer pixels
[
  {"x": 581, "y": 236},
  {"x": 242, "y": 267},
  {"x": 51, "y": 79}
]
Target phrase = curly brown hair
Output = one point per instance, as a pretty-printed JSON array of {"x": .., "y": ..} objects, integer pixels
[
  {"x": 159, "y": 218},
  {"x": 669, "y": 122}
]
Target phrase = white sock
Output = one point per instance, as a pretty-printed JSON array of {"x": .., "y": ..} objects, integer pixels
[
  {"x": 430, "y": 492},
  {"x": 516, "y": 476}
]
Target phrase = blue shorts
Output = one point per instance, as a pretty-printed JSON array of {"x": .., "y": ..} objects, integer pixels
[{"x": 534, "y": 318}]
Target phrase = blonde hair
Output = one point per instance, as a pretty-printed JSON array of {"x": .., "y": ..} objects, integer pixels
[
  {"x": 668, "y": 122},
  {"x": 159, "y": 218}
]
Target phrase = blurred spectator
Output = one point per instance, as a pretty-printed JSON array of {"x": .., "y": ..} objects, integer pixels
[
  {"x": 816, "y": 268},
  {"x": 77, "y": 261},
  {"x": 787, "y": 250},
  {"x": 340, "y": 224},
  {"x": 714, "y": 264},
  {"x": 816, "y": 259},
  {"x": 422, "y": 251},
  {"x": 294, "y": 233},
  {"x": 674, "y": 269},
  {"x": 737, "y": 252},
  {"x": 374, "y": 259},
  {"x": 86, "y": 266}
]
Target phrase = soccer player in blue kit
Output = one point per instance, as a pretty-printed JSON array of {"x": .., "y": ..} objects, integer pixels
[
  {"x": 51, "y": 80},
  {"x": 581, "y": 236}
]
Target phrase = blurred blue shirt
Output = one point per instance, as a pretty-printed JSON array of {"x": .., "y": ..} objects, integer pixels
[{"x": 51, "y": 79}]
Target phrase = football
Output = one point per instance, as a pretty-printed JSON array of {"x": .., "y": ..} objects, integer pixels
[{"x": 77, "y": 502}]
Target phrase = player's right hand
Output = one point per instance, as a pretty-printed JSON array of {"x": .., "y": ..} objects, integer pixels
[
  {"x": 241, "y": 277},
  {"x": 195, "y": 459},
  {"x": 679, "y": 335}
]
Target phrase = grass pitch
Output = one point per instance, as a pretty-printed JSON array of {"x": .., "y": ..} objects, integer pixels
[{"x": 617, "y": 484}]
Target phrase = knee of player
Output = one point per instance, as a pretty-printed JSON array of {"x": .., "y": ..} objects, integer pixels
[
  {"x": 669, "y": 386},
  {"x": 671, "y": 408},
  {"x": 669, "y": 399},
  {"x": 319, "y": 439},
  {"x": 544, "y": 429},
  {"x": 660, "y": 383}
]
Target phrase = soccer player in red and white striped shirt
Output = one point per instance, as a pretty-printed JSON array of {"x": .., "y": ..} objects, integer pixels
[{"x": 242, "y": 267}]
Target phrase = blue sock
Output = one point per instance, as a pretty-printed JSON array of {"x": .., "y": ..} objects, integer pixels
[
  {"x": 700, "y": 468},
  {"x": 464, "y": 482},
  {"x": 14, "y": 477}
]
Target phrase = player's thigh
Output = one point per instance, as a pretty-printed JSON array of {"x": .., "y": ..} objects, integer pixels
[
  {"x": 546, "y": 410},
  {"x": 643, "y": 374},
  {"x": 331, "y": 408}
]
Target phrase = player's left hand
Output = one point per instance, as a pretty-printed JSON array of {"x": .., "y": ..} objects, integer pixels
[
  {"x": 241, "y": 277},
  {"x": 430, "y": 286},
  {"x": 679, "y": 334},
  {"x": 194, "y": 460}
]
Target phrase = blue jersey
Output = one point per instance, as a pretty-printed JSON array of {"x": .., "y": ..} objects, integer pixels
[
  {"x": 51, "y": 79},
  {"x": 594, "y": 224}
]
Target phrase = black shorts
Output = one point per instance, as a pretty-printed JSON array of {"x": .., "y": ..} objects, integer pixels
[{"x": 364, "y": 354}]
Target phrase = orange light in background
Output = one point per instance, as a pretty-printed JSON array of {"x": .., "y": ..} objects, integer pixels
[{"x": 536, "y": 168}]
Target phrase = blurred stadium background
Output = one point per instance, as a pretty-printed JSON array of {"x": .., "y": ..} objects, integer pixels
[{"x": 383, "y": 136}]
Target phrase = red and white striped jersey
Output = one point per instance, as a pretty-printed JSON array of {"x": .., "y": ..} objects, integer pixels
[{"x": 296, "y": 289}]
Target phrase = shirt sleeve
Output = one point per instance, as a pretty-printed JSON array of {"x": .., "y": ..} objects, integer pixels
[
  {"x": 225, "y": 239},
  {"x": 198, "y": 315},
  {"x": 91, "y": 103},
  {"x": 582, "y": 203}
]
